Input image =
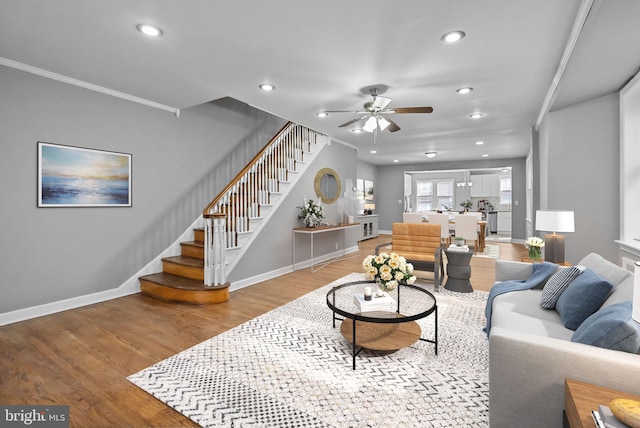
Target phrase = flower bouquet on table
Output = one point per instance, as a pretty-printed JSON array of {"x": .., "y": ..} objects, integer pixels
[
  {"x": 311, "y": 213},
  {"x": 535, "y": 245},
  {"x": 388, "y": 270}
]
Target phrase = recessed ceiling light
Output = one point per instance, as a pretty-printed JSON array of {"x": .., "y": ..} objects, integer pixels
[
  {"x": 431, "y": 155},
  {"x": 322, "y": 114},
  {"x": 149, "y": 30},
  {"x": 479, "y": 143},
  {"x": 356, "y": 130},
  {"x": 267, "y": 87},
  {"x": 476, "y": 115},
  {"x": 373, "y": 152},
  {"x": 453, "y": 36},
  {"x": 396, "y": 161},
  {"x": 485, "y": 155},
  {"x": 465, "y": 90}
]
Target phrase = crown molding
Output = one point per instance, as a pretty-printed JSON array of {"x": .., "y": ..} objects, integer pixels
[{"x": 86, "y": 85}]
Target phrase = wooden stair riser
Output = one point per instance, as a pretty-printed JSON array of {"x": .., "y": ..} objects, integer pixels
[
  {"x": 193, "y": 272},
  {"x": 169, "y": 294},
  {"x": 198, "y": 235},
  {"x": 191, "y": 249}
]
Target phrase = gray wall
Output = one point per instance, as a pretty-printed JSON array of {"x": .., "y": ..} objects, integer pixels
[
  {"x": 580, "y": 152},
  {"x": 390, "y": 184},
  {"x": 51, "y": 254}
]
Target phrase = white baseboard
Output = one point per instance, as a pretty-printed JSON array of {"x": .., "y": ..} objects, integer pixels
[{"x": 61, "y": 305}]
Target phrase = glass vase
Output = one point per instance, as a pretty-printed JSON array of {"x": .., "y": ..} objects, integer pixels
[{"x": 535, "y": 253}]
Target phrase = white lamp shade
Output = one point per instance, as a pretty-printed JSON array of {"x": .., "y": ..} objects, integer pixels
[
  {"x": 370, "y": 124},
  {"x": 554, "y": 221},
  {"x": 383, "y": 123}
]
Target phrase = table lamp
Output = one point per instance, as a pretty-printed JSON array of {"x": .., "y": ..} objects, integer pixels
[
  {"x": 368, "y": 208},
  {"x": 554, "y": 221}
]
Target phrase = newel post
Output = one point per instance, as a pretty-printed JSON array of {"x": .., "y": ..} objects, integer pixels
[{"x": 214, "y": 250}]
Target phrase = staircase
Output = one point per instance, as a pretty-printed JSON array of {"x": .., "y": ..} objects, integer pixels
[
  {"x": 198, "y": 275},
  {"x": 182, "y": 277}
]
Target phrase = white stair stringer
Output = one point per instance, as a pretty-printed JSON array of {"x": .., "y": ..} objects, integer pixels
[{"x": 233, "y": 255}]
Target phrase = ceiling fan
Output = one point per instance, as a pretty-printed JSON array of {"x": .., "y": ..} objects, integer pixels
[{"x": 375, "y": 113}]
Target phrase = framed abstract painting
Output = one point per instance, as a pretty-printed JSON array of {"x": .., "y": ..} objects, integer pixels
[{"x": 79, "y": 177}]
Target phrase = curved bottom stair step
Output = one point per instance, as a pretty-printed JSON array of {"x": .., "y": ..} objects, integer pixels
[{"x": 173, "y": 288}]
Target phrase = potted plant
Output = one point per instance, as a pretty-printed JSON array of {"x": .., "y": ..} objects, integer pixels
[
  {"x": 466, "y": 205},
  {"x": 311, "y": 213},
  {"x": 459, "y": 241}
]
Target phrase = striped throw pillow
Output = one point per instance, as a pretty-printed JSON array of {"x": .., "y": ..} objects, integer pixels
[{"x": 556, "y": 285}]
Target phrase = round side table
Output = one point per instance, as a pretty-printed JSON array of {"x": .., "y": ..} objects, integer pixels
[{"x": 458, "y": 271}]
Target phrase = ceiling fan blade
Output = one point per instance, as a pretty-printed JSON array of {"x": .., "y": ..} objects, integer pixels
[
  {"x": 352, "y": 121},
  {"x": 393, "y": 127},
  {"x": 402, "y": 110},
  {"x": 379, "y": 103}
]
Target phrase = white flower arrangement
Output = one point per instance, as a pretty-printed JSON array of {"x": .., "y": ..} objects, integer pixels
[
  {"x": 388, "y": 270},
  {"x": 535, "y": 245},
  {"x": 311, "y": 213}
]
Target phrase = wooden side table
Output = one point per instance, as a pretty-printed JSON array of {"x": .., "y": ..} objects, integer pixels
[
  {"x": 458, "y": 271},
  {"x": 580, "y": 398}
]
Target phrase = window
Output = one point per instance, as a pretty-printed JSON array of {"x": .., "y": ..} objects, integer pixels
[
  {"x": 505, "y": 190},
  {"x": 434, "y": 195},
  {"x": 424, "y": 195}
]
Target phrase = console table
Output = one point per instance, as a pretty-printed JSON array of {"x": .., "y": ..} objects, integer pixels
[{"x": 313, "y": 231}]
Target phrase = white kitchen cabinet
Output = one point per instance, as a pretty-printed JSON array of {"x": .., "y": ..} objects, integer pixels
[
  {"x": 492, "y": 185},
  {"x": 504, "y": 221},
  {"x": 477, "y": 186},
  {"x": 485, "y": 185}
]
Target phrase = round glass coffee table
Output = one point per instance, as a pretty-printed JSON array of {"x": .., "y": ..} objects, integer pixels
[{"x": 383, "y": 325}]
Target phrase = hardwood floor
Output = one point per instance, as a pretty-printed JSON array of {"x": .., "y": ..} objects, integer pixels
[{"x": 82, "y": 357}]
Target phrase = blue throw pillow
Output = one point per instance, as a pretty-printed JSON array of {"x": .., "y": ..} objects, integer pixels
[
  {"x": 612, "y": 328},
  {"x": 583, "y": 297}
]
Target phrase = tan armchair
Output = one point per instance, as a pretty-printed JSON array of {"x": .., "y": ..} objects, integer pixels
[{"x": 419, "y": 243}]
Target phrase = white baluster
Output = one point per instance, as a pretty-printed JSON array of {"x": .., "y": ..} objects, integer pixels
[{"x": 208, "y": 252}]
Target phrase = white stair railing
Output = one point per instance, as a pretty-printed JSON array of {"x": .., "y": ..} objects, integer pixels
[{"x": 228, "y": 215}]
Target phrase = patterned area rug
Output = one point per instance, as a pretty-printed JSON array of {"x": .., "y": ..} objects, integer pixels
[
  {"x": 490, "y": 251},
  {"x": 290, "y": 368}
]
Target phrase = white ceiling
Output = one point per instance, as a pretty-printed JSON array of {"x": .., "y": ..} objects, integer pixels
[{"x": 320, "y": 55}]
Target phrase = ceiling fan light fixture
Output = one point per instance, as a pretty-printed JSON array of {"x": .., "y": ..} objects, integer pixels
[
  {"x": 370, "y": 124},
  {"x": 383, "y": 123},
  {"x": 453, "y": 36},
  {"x": 431, "y": 155},
  {"x": 465, "y": 90}
]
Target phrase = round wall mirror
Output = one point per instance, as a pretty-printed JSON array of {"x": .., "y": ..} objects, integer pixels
[{"x": 327, "y": 185}]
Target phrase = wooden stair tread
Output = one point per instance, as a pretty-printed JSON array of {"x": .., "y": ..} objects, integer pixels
[
  {"x": 186, "y": 261},
  {"x": 179, "y": 282},
  {"x": 193, "y": 243}
]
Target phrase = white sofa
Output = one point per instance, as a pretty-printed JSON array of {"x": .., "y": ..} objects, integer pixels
[{"x": 531, "y": 352}]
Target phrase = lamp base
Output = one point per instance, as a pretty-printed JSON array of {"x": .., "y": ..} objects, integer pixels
[{"x": 554, "y": 248}]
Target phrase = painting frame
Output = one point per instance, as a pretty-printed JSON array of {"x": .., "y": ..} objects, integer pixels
[{"x": 72, "y": 176}]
